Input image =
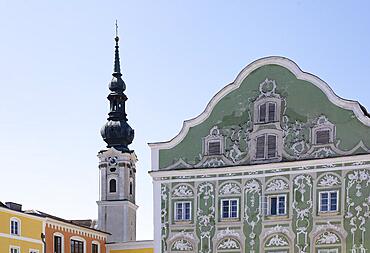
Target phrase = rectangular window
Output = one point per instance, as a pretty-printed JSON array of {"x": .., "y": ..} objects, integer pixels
[
  {"x": 267, "y": 112},
  {"x": 322, "y": 137},
  {"x": 57, "y": 244},
  {"x": 266, "y": 146},
  {"x": 214, "y": 148},
  {"x": 77, "y": 246},
  {"x": 329, "y": 201},
  {"x": 277, "y": 205},
  {"x": 15, "y": 249},
  {"x": 230, "y": 208},
  {"x": 94, "y": 248},
  {"x": 14, "y": 227},
  {"x": 34, "y": 251},
  {"x": 182, "y": 211}
]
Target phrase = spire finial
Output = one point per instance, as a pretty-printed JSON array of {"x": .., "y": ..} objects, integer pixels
[
  {"x": 117, "y": 68},
  {"x": 116, "y": 28}
]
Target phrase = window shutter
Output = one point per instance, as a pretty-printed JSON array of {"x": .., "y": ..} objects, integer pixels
[
  {"x": 271, "y": 146},
  {"x": 323, "y": 137},
  {"x": 214, "y": 148},
  {"x": 272, "y": 112},
  {"x": 262, "y": 113},
  {"x": 260, "y": 150}
]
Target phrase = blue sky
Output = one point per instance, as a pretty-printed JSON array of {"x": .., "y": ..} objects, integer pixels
[{"x": 56, "y": 59}]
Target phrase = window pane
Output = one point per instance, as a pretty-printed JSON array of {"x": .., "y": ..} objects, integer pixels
[
  {"x": 323, "y": 137},
  {"x": 225, "y": 209},
  {"x": 272, "y": 112},
  {"x": 262, "y": 113},
  {"x": 214, "y": 148},
  {"x": 273, "y": 206},
  {"x": 260, "y": 153},
  {"x": 271, "y": 143},
  {"x": 187, "y": 211},
  {"x": 282, "y": 205},
  {"x": 179, "y": 211},
  {"x": 324, "y": 201},
  {"x": 333, "y": 201},
  {"x": 57, "y": 244}
]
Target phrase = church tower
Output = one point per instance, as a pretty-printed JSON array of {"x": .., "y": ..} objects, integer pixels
[{"x": 116, "y": 205}]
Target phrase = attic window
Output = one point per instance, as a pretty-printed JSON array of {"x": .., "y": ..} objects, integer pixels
[
  {"x": 214, "y": 148},
  {"x": 267, "y": 112},
  {"x": 322, "y": 136},
  {"x": 266, "y": 146}
]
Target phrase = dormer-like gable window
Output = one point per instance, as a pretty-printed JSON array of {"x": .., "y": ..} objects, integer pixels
[
  {"x": 213, "y": 144},
  {"x": 266, "y": 146},
  {"x": 323, "y": 131},
  {"x": 267, "y": 112}
]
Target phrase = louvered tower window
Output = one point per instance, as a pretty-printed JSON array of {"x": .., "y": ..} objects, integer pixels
[
  {"x": 266, "y": 146},
  {"x": 214, "y": 148}
]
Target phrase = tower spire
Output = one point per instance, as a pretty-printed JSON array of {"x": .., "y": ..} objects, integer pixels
[
  {"x": 116, "y": 132},
  {"x": 117, "y": 67}
]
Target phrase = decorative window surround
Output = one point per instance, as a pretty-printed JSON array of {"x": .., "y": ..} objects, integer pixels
[
  {"x": 328, "y": 206},
  {"x": 61, "y": 236},
  {"x": 276, "y": 205},
  {"x": 229, "y": 209},
  {"x": 322, "y": 127},
  {"x": 15, "y": 226},
  {"x": 214, "y": 143},
  {"x": 182, "y": 211}
]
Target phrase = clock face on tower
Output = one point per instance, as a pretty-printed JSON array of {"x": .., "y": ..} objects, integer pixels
[{"x": 112, "y": 160}]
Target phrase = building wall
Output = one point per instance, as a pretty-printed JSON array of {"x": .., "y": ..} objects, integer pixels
[
  {"x": 131, "y": 247},
  {"x": 30, "y": 233},
  {"x": 68, "y": 231},
  {"x": 302, "y": 229}
]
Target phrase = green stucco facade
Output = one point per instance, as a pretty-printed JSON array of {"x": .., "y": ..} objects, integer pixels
[{"x": 291, "y": 157}]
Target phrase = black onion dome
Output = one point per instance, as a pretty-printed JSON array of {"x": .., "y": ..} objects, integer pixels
[{"x": 117, "y": 132}]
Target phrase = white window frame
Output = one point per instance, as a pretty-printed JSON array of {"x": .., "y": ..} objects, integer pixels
[
  {"x": 183, "y": 218},
  {"x": 269, "y": 197},
  {"x": 96, "y": 243},
  {"x": 265, "y": 149},
  {"x": 18, "y": 224},
  {"x": 333, "y": 250},
  {"x": 61, "y": 236},
  {"x": 320, "y": 130},
  {"x": 329, "y": 201},
  {"x": 17, "y": 248},
  {"x": 229, "y": 211}
]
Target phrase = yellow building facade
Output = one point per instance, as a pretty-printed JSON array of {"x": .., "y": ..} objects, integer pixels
[
  {"x": 131, "y": 247},
  {"x": 20, "y": 232}
]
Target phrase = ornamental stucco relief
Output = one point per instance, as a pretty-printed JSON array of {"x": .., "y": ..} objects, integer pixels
[
  {"x": 327, "y": 238},
  {"x": 183, "y": 191},
  {"x": 277, "y": 241},
  {"x": 230, "y": 188},
  {"x": 329, "y": 180},
  {"x": 277, "y": 185},
  {"x": 228, "y": 243}
]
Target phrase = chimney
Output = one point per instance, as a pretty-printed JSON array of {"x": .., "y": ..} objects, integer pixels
[{"x": 14, "y": 206}]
